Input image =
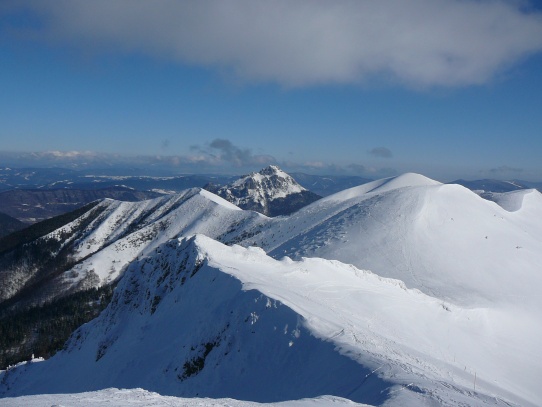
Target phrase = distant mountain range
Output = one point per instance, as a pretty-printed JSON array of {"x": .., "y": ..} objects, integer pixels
[
  {"x": 58, "y": 178},
  {"x": 208, "y": 305},
  {"x": 129, "y": 184},
  {"x": 32, "y": 194},
  {"x": 34, "y": 205}
]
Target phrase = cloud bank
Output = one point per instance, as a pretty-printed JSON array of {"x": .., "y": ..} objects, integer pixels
[
  {"x": 297, "y": 43},
  {"x": 220, "y": 156}
]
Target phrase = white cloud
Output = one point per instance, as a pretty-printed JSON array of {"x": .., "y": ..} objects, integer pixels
[
  {"x": 308, "y": 42},
  {"x": 230, "y": 159}
]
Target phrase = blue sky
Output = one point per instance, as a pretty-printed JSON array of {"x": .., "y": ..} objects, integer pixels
[{"x": 450, "y": 89}]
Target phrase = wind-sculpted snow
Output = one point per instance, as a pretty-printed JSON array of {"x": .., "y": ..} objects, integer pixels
[
  {"x": 524, "y": 200},
  {"x": 144, "y": 398},
  {"x": 525, "y": 206},
  {"x": 384, "y": 185},
  {"x": 441, "y": 239},
  {"x": 198, "y": 318}
]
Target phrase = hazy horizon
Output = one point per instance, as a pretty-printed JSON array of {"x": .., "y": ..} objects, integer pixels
[{"x": 116, "y": 165}]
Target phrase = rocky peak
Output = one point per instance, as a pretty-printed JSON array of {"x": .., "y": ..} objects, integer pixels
[
  {"x": 270, "y": 191},
  {"x": 271, "y": 183}
]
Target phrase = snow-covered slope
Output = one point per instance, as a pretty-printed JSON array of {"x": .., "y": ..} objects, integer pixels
[
  {"x": 270, "y": 191},
  {"x": 525, "y": 207},
  {"x": 197, "y": 318},
  {"x": 97, "y": 248},
  {"x": 441, "y": 239},
  {"x": 130, "y": 230}
]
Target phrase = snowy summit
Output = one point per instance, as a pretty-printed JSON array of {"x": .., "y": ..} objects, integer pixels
[{"x": 270, "y": 191}]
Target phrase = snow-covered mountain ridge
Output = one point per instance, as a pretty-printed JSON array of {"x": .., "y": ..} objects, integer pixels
[
  {"x": 408, "y": 227},
  {"x": 270, "y": 191},
  {"x": 444, "y": 240},
  {"x": 448, "y": 314},
  {"x": 194, "y": 310},
  {"x": 101, "y": 243}
]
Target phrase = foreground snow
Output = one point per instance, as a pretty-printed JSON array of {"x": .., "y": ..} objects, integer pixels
[
  {"x": 142, "y": 398},
  {"x": 198, "y": 318}
]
